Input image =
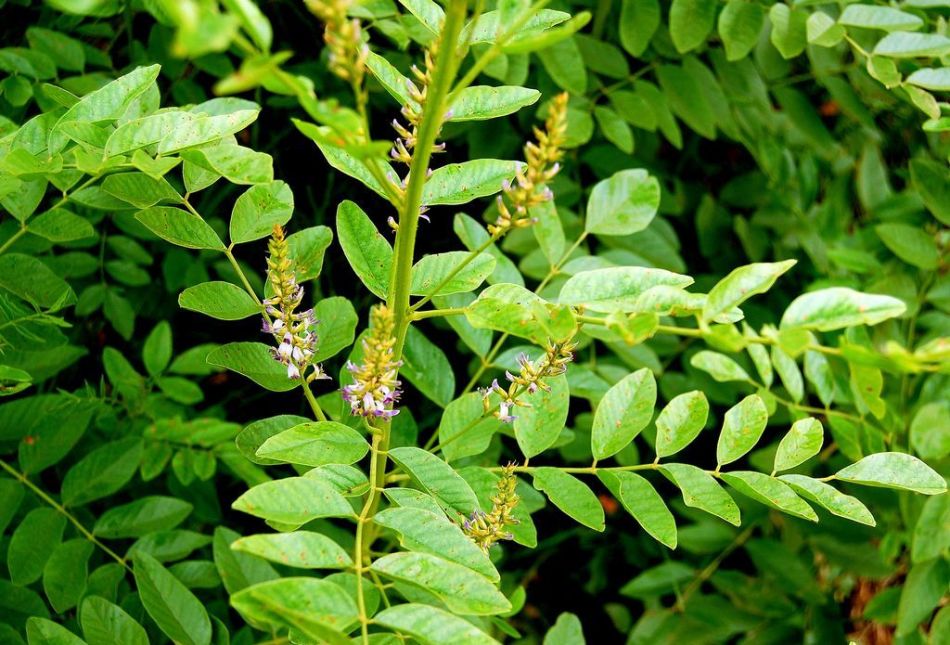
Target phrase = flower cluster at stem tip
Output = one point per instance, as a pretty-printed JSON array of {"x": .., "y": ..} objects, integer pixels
[
  {"x": 484, "y": 529},
  {"x": 542, "y": 164},
  {"x": 290, "y": 328},
  {"x": 344, "y": 39},
  {"x": 375, "y": 387},
  {"x": 530, "y": 379},
  {"x": 405, "y": 144}
]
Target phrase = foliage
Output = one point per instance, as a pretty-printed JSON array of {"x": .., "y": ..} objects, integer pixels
[{"x": 695, "y": 344}]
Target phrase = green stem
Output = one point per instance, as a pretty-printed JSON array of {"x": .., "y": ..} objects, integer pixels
[
  {"x": 22, "y": 478},
  {"x": 13, "y": 238},
  {"x": 314, "y": 404},
  {"x": 438, "y": 313},
  {"x": 712, "y": 567},
  {"x": 433, "y": 114}
]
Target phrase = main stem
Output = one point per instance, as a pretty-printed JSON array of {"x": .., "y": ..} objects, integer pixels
[{"x": 397, "y": 300}]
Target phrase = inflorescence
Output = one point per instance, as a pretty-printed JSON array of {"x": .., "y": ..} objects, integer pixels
[
  {"x": 484, "y": 529},
  {"x": 344, "y": 39},
  {"x": 529, "y": 379},
  {"x": 375, "y": 386},
  {"x": 542, "y": 164},
  {"x": 290, "y": 328}
]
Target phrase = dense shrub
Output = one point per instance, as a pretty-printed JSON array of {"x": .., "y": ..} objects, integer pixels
[{"x": 678, "y": 373}]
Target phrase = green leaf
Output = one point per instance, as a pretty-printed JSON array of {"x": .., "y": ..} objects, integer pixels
[
  {"x": 139, "y": 189},
  {"x": 28, "y": 278},
  {"x": 931, "y": 79},
  {"x": 343, "y": 161},
  {"x": 840, "y": 307},
  {"x": 742, "y": 428},
  {"x": 252, "y": 20},
  {"x": 293, "y": 501},
  {"x": 789, "y": 29},
  {"x": 462, "y": 590},
  {"x": 465, "y": 430},
  {"x": 739, "y": 26},
  {"x": 142, "y": 516},
  {"x": 64, "y": 576},
  {"x": 930, "y": 430},
  {"x": 481, "y": 102},
  {"x": 238, "y": 164},
  {"x": 565, "y": 65},
  {"x": 256, "y": 362},
  {"x": 221, "y": 300},
  {"x": 315, "y": 444},
  {"x": 769, "y": 491},
  {"x": 639, "y": 20},
  {"x": 883, "y": 18},
  {"x": 102, "y": 472},
  {"x": 567, "y": 630},
  {"x": 894, "y": 470},
  {"x": 801, "y": 443},
  {"x": 570, "y": 495},
  {"x": 61, "y": 225},
  {"x": 719, "y": 366},
  {"x": 902, "y": 44},
  {"x": 680, "y": 422},
  {"x": 335, "y": 328},
  {"x": 688, "y": 96},
  {"x": 663, "y": 578},
  {"x": 104, "y": 623},
  {"x": 741, "y": 284},
  {"x": 625, "y": 410},
  {"x": 32, "y": 544},
  {"x": 214, "y": 120},
  {"x": 932, "y": 181},
  {"x": 508, "y": 308},
  {"x": 623, "y": 204},
  {"x": 426, "y": 366},
  {"x": 788, "y": 372},
  {"x": 259, "y": 209},
  {"x": 616, "y": 288},
  {"x": 42, "y": 630},
  {"x": 427, "y": 532},
  {"x": 830, "y": 498},
  {"x": 300, "y": 549},
  {"x": 108, "y": 102},
  {"x": 911, "y": 244},
  {"x": 317, "y": 609},
  {"x": 431, "y": 270},
  {"x": 690, "y": 23},
  {"x": 368, "y": 252},
  {"x": 431, "y": 626},
  {"x": 460, "y": 183},
  {"x": 931, "y": 537},
  {"x": 180, "y": 227},
  {"x": 157, "y": 351},
  {"x": 307, "y": 248},
  {"x": 614, "y": 128},
  {"x": 176, "y": 611},
  {"x": 237, "y": 570},
  {"x": 643, "y": 502},
  {"x": 700, "y": 490},
  {"x": 66, "y": 52},
  {"x": 924, "y": 589},
  {"x": 822, "y": 30},
  {"x": 436, "y": 477},
  {"x": 538, "y": 425},
  {"x": 428, "y": 12}
]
